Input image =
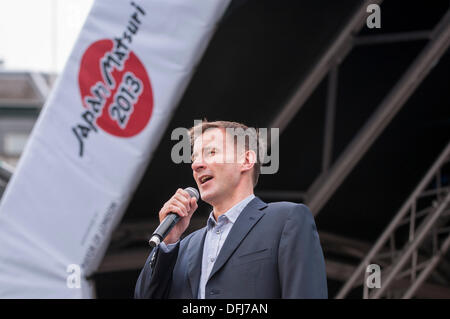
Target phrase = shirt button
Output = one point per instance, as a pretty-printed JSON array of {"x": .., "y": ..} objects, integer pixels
[
  {"x": 212, "y": 259},
  {"x": 217, "y": 231}
]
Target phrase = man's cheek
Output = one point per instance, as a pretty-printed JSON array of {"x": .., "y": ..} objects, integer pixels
[{"x": 220, "y": 158}]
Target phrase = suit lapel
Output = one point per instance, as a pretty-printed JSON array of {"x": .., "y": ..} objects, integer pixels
[
  {"x": 195, "y": 254},
  {"x": 249, "y": 216}
]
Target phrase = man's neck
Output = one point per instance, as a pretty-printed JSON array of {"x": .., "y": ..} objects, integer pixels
[{"x": 222, "y": 207}]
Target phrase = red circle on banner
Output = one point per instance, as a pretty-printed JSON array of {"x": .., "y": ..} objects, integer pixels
[{"x": 128, "y": 99}]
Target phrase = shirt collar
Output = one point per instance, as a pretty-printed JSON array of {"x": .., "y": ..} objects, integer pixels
[{"x": 231, "y": 215}]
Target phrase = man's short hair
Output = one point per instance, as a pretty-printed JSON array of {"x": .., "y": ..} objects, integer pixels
[{"x": 253, "y": 141}]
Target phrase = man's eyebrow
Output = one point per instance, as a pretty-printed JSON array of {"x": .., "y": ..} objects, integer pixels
[{"x": 206, "y": 148}]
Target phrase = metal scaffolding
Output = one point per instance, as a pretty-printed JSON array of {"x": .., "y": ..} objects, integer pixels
[
  {"x": 331, "y": 178},
  {"x": 333, "y": 174},
  {"x": 336, "y": 52},
  {"x": 419, "y": 228}
]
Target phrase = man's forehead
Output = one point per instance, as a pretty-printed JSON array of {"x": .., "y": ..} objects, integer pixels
[{"x": 211, "y": 136}]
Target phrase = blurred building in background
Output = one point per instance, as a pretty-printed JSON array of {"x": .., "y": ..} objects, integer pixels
[{"x": 22, "y": 96}]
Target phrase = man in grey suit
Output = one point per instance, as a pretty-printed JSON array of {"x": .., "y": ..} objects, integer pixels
[{"x": 249, "y": 248}]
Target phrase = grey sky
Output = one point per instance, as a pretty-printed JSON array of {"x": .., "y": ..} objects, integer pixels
[{"x": 38, "y": 35}]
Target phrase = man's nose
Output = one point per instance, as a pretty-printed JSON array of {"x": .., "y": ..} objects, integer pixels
[{"x": 198, "y": 164}]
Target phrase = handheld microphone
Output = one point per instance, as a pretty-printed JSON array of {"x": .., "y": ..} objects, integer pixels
[{"x": 167, "y": 224}]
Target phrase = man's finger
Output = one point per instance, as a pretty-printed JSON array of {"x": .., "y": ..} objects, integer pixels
[
  {"x": 193, "y": 204},
  {"x": 182, "y": 199},
  {"x": 177, "y": 210},
  {"x": 183, "y": 193}
]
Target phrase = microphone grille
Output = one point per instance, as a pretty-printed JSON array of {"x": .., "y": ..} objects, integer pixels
[{"x": 193, "y": 192}]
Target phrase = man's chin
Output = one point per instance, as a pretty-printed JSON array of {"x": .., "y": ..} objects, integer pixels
[{"x": 207, "y": 197}]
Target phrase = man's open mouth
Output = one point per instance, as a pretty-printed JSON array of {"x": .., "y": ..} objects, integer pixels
[{"x": 204, "y": 179}]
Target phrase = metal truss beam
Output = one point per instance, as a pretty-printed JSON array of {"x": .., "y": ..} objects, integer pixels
[
  {"x": 393, "y": 37},
  {"x": 340, "y": 271},
  {"x": 411, "y": 249},
  {"x": 418, "y": 226},
  {"x": 339, "y": 247},
  {"x": 428, "y": 269},
  {"x": 336, "y": 52},
  {"x": 326, "y": 184}
]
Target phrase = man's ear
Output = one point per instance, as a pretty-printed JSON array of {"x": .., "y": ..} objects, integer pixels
[{"x": 249, "y": 160}]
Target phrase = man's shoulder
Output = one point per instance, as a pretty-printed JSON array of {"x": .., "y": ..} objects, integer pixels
[
  {"x": 286, "y": 210},
  {"x": 288, "y": 206},
  {"x": 282, "y": 216}
]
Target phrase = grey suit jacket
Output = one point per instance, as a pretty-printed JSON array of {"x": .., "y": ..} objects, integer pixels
[{"x": 272, "y": 251}]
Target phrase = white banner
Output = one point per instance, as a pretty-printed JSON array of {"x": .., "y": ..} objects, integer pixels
[{"x": 93, "y": 140}]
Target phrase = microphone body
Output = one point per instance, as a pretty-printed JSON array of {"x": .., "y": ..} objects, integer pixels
[{"x": 169, "y": 222}]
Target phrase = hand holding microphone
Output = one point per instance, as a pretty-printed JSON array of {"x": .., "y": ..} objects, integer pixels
[{"x": 175, "y": 216}]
